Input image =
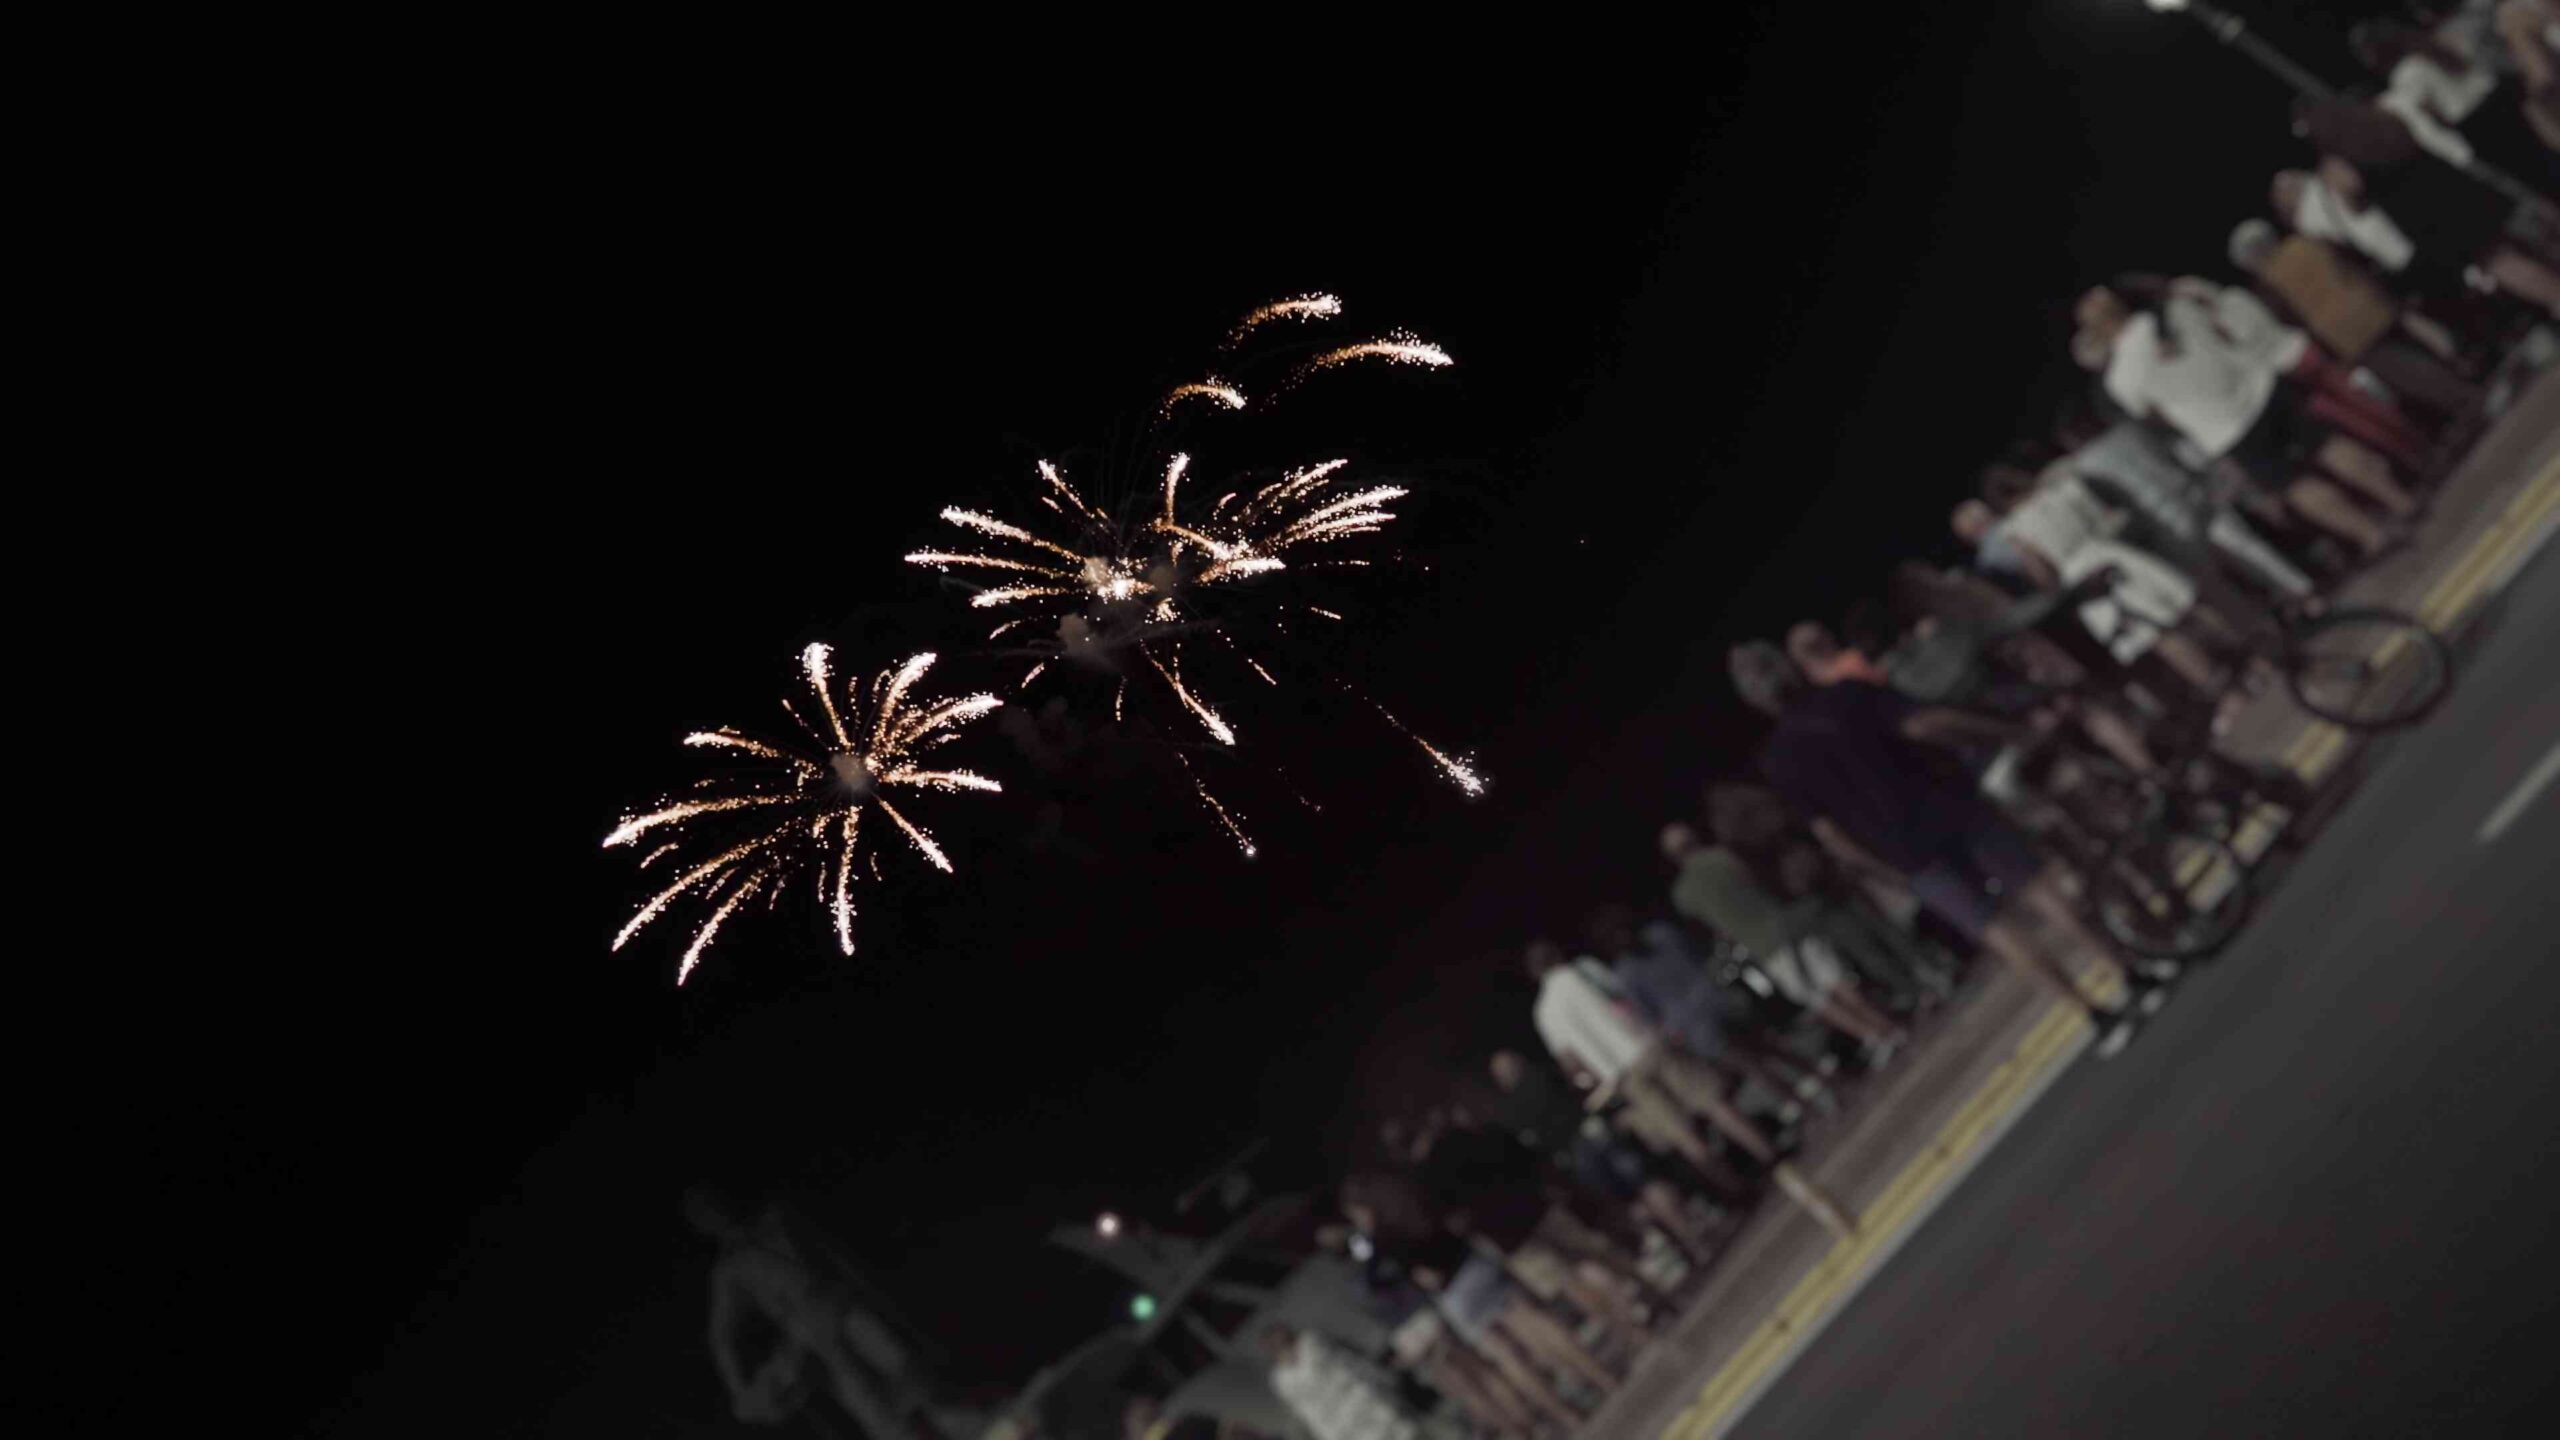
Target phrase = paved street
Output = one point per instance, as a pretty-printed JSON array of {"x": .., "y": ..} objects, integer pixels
[{"x": 2319, "y": 1193}]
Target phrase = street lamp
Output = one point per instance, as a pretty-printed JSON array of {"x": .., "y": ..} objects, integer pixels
[
  {"x": 2233, "y": 31},
  {"x": 1107, "y": 1225}
]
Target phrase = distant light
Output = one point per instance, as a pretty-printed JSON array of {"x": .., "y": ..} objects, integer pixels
[
  {"x": 1361, "y": 1249},
  {"x": 1142, "y": 1308},
  {"x": 1107, "y": 1225},
  {"x": 2165, "y": 5}
]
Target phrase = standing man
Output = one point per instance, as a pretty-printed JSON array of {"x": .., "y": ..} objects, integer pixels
[
  {"x": 1854, "y": 760},
  {"x": 1594, "y": 1031}
]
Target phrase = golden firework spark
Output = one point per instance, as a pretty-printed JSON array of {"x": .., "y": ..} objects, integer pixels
[
  {"x": 804, "y": 800},
  {"x": 1298, "y": 307},
  {"x": 1213, "y": 389},
  {"x": 1459, "y": 772},
  {"x": 1400, "y": 348},
  {"x": 1128, "y": 584}
]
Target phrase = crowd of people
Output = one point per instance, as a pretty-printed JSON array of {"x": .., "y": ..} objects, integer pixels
[{"x": 2242, "y": 446}]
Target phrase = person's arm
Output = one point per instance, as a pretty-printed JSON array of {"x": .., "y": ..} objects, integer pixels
[
  {"x": 1945, "y": 725},
  {"x": 1849, "y": 852},
  {"x": 2019, "y": 616},
  {"x": 2035, "y": 565},
  {"x": 2343, "y": 181}
]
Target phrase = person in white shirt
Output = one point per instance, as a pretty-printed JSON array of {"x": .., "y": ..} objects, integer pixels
[
  {"x": 1334, "y": 1392},
  {"x": 1595, "y": 1033},
  {"x": 2129, "y": 458},
  {"x": 2444, "y": 86},
  {"x": 2206, "y": 361}
]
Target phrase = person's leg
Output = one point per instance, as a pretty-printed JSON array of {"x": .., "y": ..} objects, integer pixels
[
  {"x": 1877, "y": 954},
  {"x": 1845, "y": 1010},
  {"x": 1478, "y": 1389},
  {"x": 2519, "y": 23},
  {"x": 2336, "y": 402},
  {"x": 2431, "y": 334},
  {"x": 1544, "y": 1336},
  {"x": 1696, "y": 1088},
  {"x": 2366, "y": 472},
  {"x": 2185, "y": 655},
  {"x": 2525, "y": 278},
  {"x": 2422, "y": 377},
  {"x": 2233, "y": 537},
  {"x": 1525, "y": 1379},
  {"x": 1955, "y": 894},
  {"x": 2110, "y": 731},
  {"x": 1675, "y": 1081},
  {"x": 2327, "y": 507}
]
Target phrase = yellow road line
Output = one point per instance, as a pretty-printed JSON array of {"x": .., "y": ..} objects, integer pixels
[
  {"x": 2046, "y": 1047},
  {"x": 2317, "y": 746},
  {"x": 2041, "y": 1051}
]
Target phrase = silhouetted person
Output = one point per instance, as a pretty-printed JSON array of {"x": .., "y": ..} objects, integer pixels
[{"x": 773, "y": 1313}]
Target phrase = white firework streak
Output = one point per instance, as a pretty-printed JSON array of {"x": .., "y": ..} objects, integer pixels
[
  {"x": 1244, "y": 842},
  {"x": 659, "y": 902},
  {"x": 731, "y": 739},
  {"x": 987, "y": 599},
  {"x": 1058, "y": 482},
  {"x": 1031, "y": 675},
  {"x": 1460, "y": 773},
  {"x": 1400, "y": 348},
  {"x": 885, "y": 709},
  {"x": 923, "y": 841},
  {"x": 941, "y": 780},
  {"x": 635, "y": 826},
  {"x": 813, "y": 663},
  {"x": 1317, "y": 306},
  {"x": 1208, "y": 717},
  {"x": 1173, "y": 477},
  {"x": 1227, "y": 396},
  {"x": 990, "y": 525},
  {"x": 711, "y": 926},
  {"x": 848, "y": 829}
]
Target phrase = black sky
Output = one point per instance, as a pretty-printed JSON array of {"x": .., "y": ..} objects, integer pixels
[{"x": 700, "y": 351}]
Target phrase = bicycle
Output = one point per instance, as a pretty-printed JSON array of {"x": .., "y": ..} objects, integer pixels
[{"x": 2161, "y": 880}]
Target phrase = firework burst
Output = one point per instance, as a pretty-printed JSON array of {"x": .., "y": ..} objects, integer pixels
[
  {"x": 798, "y": 806},
  {"x": 1181, "y": 567}
]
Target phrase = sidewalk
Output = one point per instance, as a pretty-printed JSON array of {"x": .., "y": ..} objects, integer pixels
[{"x": 1919, "y": 1130}]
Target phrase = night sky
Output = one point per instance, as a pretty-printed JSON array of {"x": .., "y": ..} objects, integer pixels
[{"x": 1737, "y": 314}]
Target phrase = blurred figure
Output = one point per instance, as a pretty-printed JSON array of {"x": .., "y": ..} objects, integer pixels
[
  {"x": 2062, "y": 538},
  {"x": 2174, "y": 362},
  {"x": 1594, "y": 1031},
  {"x": 768, "y": 1297},
  {"x": 1473, "y": 1295},
  {"x": 1495, "y": 1188},
  {"x": 1824, "y": 659},
  {"x": 1852, "y": 759},
  {"x": 2308, "y": 282},
  {"x": 1716, "y": 888},
  {"x": 1337, "y": 1394},
  {"x": 1545, "y": 1112},
  {"x": 2378, "y": 189},
  {"x": 2448, "y": 97}
]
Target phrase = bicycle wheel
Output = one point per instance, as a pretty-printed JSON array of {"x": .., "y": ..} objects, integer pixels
[
  {"x": 2173, "y": 892},
  {"x": 2368, "y": 669}
]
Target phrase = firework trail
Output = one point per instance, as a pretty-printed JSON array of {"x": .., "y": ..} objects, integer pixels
[
  {"x": 798, "y": 805},
  {"x": 1459, "y": 772},
  {"x": 1187, "y": 551},
  {"x": 1301, "y": 307}
]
